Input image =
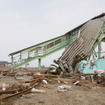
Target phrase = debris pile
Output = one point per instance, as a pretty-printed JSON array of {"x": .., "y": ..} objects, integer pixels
[{"x": 58, "y": 76}]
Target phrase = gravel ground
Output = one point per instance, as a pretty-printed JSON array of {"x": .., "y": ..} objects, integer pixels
[{"x": 87, "y": 94}]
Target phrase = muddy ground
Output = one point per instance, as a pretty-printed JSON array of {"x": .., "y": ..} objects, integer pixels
[{"x": 86, "y": 93}]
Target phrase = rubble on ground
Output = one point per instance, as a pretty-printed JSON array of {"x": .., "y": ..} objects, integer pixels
[{"x": 30, "y": 82}]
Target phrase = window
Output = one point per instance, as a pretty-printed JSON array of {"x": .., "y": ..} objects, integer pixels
[
  {"x": 57, "y": 41},
  {"x": 50, "y": 45}
]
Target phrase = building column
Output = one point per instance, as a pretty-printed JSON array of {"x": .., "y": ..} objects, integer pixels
[
  {"x": 99, "y": 50},
  {"x": 39, "y": 63}
]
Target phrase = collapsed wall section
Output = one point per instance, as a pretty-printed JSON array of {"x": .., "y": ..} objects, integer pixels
[{"x": 87, "y": 36}]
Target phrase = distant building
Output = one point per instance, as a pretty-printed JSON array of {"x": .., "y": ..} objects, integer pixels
[{"x": 5, "y": 63}]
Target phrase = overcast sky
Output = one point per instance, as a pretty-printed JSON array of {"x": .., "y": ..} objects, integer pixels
[{"x": 27, "y": 22}]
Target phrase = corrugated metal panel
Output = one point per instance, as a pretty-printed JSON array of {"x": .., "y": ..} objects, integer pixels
[{"x": 88, "y": 34}]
